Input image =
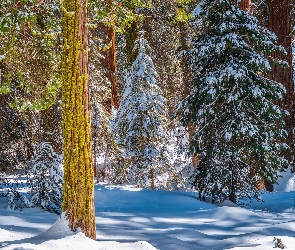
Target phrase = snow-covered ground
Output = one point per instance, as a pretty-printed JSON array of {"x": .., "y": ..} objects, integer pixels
[{"x": 135, "y": 219}]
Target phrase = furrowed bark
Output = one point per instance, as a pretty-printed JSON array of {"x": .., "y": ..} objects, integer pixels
[{"x": 78, "y": 188}]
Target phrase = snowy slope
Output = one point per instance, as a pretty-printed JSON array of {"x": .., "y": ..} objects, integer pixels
[
  {"x": 60, "y": 237},
  {"x": 286, "y": 182},
  {"x": 132, "y": 218}
]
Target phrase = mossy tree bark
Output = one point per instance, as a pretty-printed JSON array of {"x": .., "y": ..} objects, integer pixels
[
  {"x": 78, "y": 189},
  {"x": 280, "y": 24}
]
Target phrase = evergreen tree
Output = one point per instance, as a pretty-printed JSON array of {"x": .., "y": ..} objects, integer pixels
[
  {"x": 239, "y": 128},
  {"x": 13, "y": 132},
  {"x": 46, "y": 178},
  {"x": 140, "y": 121}
]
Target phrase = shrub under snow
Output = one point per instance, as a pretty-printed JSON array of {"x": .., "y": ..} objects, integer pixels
[{"x": 46, "y": 178}]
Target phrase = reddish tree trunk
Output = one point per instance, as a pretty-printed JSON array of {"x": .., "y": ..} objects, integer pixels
[
  {"x": 110, "y": 64},
  {"x": 279, "y": 23},
  {"x": 78, "y": 187},
  {"x": 245, "y": 5}
]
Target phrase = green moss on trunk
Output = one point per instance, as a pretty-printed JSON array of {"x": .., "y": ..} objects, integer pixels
[{"x": 78, "y": 196}]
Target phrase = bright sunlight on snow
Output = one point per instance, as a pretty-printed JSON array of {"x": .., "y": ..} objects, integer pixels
[{"x": 150, "y": 219}]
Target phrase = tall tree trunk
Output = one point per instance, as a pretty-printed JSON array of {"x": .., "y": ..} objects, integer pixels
[
  {"x": 78, "y": 188},
  {"x": 183, "y": 32},
  {"x": 245, "y": 5},
  {"x": 279, "y": 23},
  {"x": 131, "y": 35},
  {"x": 110, "y": 62}
]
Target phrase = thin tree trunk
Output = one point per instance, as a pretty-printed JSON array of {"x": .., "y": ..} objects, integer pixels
[
  {"x": 279, "y": 23},
  {"x": 78, "y": 188},
  {"x": 232, "y": 189},
  {"x": 183, "y": 32},
  {"x": 152, "y": 179},
  {"x": 110, "y": 64},
  {"x": 113, "y": 69},
  {"x": 94, "y": 160}
]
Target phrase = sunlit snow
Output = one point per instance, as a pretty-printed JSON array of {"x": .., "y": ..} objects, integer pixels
[{"x": 132, "y": 218}]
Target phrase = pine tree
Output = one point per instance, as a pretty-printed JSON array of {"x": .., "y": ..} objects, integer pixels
[
  {"x": 30, "y": 51},
  {"x": 140, "y": 121},
  {"x": 45, "y": 177},
  {"x": 239, "y": 128},
  {"x": 13, "y": 133}
]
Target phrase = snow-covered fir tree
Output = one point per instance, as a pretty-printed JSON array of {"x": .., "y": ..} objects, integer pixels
[
  {"x": 239, "y": 128},
  {"x": 140, "y": 123},
  {"x": 46, "y": 179}
]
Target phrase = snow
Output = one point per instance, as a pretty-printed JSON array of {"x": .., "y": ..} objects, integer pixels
[
  {"x": 287, "y": 182},
  {"x": 140, "y": 219},
  {"x": 198, "y": 9},
  {"x": 22, "y": 231}
]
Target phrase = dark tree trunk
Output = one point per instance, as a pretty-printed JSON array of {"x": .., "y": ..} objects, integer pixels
[
  {"x": 112, "y": 60},
  {"x": 280, "y": 24},
  {"x": 131, "y": 35},
  {"x": 232, "y": 188},
  {"x": 110, "y": 64},
  {"x": 183, "y": 32},
  {"x": 245, "y": 5}
]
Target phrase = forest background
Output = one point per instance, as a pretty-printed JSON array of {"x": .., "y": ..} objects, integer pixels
[{"x": 158, "y": 152}]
